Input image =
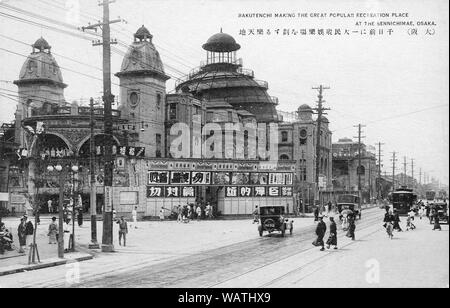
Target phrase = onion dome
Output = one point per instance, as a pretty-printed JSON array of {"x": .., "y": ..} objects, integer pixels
[
  {"x": 142, "y": 58},
  {"x": 41, "y": 66},
  {"x": 41, "y": 44},
  {"x": 142, "y": 34},
  {"x": 221, "y": 42}
]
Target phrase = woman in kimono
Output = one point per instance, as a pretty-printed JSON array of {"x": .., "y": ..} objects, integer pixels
[
  {"x": 52, "y": 231},
  {"x": 22, "y": 235},
  {"x": 332, "y": 240}
]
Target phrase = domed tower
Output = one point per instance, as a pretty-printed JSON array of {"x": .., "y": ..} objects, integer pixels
[
  {"x": 305, "y": 113},
  {"x": 222, "y": 78},
  {"x": 40, "y": 84},
  {"x": 142, "y": 93}
]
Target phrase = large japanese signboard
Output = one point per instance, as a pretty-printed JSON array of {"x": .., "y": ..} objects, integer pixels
[
  {"x": 122, "y": 151},
  {"x": 158, "y": 177},
  {"x": 170, "y": 191},
  {"x": 200, "y": 178}
]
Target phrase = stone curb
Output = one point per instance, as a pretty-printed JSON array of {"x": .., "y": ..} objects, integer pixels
[{"x": 44, "y": 264}]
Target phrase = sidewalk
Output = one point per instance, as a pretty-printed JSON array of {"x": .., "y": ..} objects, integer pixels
[{"x": 13, "y": 261}]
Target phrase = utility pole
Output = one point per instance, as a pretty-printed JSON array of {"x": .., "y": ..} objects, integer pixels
[
  {"x": 420, "y": 176},
  {"x": 412, "y": 173},
  {"x": 108, "y": 99},
  {"x": 393, "y": 159},
  {"x": 93, "y": 196},
  {"x": 320, "y": 111},
  {"x": 379, "y": 171},
  {"x": 404, "y": 171},
  {"x": 358, "y": 170}
]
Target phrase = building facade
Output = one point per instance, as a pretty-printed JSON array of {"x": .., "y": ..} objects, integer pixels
[
  {"x": 219, "y": 138},
  {"x": 347, "y": 177}
]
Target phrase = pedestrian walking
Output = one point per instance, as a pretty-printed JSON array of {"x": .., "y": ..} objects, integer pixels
[
  {"x": 50, "y": 206},
  {"x": 123, "y": 230},
  {"x": 134, "y": 216},
  {"x": 409, "y": 224},
  {"x": 316, "y": 213},
  {"x": 321, "y": 229},
  {"x": 389, "y": 223},
  {"x": 67, "y": 235},
  {"x": 179, "y": 211},
  {"x": 329, "y": 207},
  {"x": 52, "y": 231},
  {"x": 22, "y": 234},
  {"x": 199, "y": 212},
  {"x": 437, "y": 225},
  {"x": 421, "y": 211},
  {"x": 332, "y": 239},
  {"x": 80, "y": 217},
  {"x": 29, "y": 231},
  {"x": 351, "y": 226},
  {"x": 161, "y": 214},
  {"x": 397, "y": 221},
  {"x": 255, "y": 215}
]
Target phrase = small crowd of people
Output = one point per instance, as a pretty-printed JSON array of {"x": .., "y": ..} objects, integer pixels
[
  {"x": 188, "y": 212},
  {"x": 349, "y": 225}
]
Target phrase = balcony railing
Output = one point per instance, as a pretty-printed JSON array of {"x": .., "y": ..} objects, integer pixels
[
  {"x": 246, "y": 72},
  {"x": 68, "y": 110},
  {"x": 262, "y": 83}
]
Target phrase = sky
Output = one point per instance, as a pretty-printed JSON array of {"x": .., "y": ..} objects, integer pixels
[{"x": 396, "y": 85}]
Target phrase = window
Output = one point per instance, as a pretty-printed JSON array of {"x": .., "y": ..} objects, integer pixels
[
  {"x": 158, "y": 100},
  {"x": 230, "y": 116},
  {"x": 284, "y": 136},
  {"x": 303, "y": 136},
  {"x": 172, "y": 111},
  {"x": 134, "y": 99}
]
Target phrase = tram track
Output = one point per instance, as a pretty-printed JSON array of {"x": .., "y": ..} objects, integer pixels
[
  {"x": 367, "y": 224},
  {"x": 200, "y": 268}
]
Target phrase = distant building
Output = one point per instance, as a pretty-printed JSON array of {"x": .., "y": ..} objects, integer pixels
[{"x": 346, "y": 171}]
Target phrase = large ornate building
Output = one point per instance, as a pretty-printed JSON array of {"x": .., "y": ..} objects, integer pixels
[{"x": 217, "y": 139}]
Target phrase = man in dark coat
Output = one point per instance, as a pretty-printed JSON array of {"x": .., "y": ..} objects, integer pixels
[
  {"x": 397, "y": 222},
  {"x": 351, "y": 226},
  {"x": 437, "y": 225},
  {"x": 320, "y": 232},
  {"x": 316, "y": 213},
  {"x": 332, "y": 240}
]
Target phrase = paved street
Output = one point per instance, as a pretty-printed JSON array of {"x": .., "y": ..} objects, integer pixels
[{"x": 231, "y": 254}]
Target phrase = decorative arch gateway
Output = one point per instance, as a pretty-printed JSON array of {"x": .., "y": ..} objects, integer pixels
[
  {"x": 51, "y": 144},
  {"x": 83, "y": 147}
]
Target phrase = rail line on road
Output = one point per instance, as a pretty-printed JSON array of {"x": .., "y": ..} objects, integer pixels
[
  {"x": 367, "y": 224},
  {"x": 190, "y": 267}
]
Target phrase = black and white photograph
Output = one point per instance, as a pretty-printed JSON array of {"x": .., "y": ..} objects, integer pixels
[{"x": 209, "y": 146}]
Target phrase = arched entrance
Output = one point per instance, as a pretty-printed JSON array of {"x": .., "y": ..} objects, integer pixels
[{"x": 99, "y": 141}]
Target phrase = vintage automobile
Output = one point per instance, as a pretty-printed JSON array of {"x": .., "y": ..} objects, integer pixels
[
  {"x": 271, "y": 218},
  {"x": 442, "y": 209},
  {"x": 349, "y": 202}
]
